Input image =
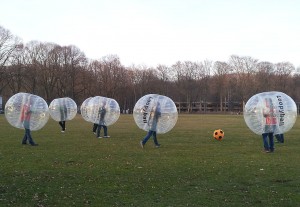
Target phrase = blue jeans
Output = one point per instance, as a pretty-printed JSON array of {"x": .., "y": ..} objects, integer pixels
[
  {"x": 280, "y": 138},
  {"x": 95, "y": 127},
  {"x": 268, "y": 144},
  {"x": 63, "y": 125},
  {"x": 99, "y": 129},
  {"x": 149, "y": 134},
  {"x": 28, "y": 137}
]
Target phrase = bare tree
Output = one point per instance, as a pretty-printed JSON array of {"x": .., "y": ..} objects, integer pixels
[
  {"x": 112, "y": 75},
  {"x": 8, "y": 44},
  {"x": 165, "y": 75},
  {"x": 133, "y": 81},
  {"x": 206, "y": 68},
  {"x": 187, "y": 73},
  {"x": 111, "y": 79},
  {"x": 50, "y": 64},
  {"x": 244, "y": 68},
  {"x": 51, "y": 71},
  {"x": 32, "y": 67},
  {"x": 294, "y": 90},
  {"x": 73, "y": 62},
  {"x": 16, "y": 71},
  {"x": 283, "y": 71},
  {"x": 222, "y": 70},
  {"x": 263, "y": 77},
  {"x": 91, "y": 79}
]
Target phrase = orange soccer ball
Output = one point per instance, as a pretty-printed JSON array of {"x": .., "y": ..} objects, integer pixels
[{"x": 218, "y": 134}]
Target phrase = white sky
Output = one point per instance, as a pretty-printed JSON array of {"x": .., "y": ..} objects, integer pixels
[{"x": 153, "y": 32}]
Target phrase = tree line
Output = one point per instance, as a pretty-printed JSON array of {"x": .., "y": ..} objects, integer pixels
[{"x": 52, "y": 71}]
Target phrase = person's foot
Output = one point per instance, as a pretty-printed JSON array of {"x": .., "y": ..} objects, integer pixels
[
  {"x": 106, "y": 136},
  {"x": 266, "y": 151},
  {"x": 34, "y": 144},
  {"x": 99, "y": 137},
  {"x": 63, "y": 131},
  {"x": 157, "y": 145},
  {"x": 24, "y": 143},
  {"x": 142, "y": 144}
]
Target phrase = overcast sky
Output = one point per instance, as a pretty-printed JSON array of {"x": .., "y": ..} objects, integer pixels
[{"x": 153, "y": 32}]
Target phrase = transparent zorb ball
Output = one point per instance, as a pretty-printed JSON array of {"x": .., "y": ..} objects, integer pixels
[
  {"x": 100, "y": 110},
  {"x": 155, "y": 112},
  {"x": 273, "y": 112},
  {"x": 85, "y": 109},
  {"x": 24, "y": 110},
  {"x": 63, "y": 109}
]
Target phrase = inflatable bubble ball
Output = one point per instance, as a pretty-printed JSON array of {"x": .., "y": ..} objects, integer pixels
[
  {"x": 155, "y": 112},
  {"x": 270, "y": 112},
  {"x": 63, "y": 109},
  {"x": 24, "y": 110},
  {"x": 100, "y": 109}
]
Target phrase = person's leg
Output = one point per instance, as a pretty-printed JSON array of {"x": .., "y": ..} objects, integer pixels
[
  {"x": 98, "y": 131},
  {"x": 145, "y": 139},
  {"x": 64, "y": 125},
  {"x": 30, "y": 140},
  {"x": 155, "y": 139},
  {"x": 265, "y": 141},
  {"x": 280, "y": 138},
  {"x": 271, "y": 142},
  {"x": 105, "y": 130},
  {"x": 95, "y": 127},
  {"x": 61, "y": 124},
  {"x": 24, "y": 140}
]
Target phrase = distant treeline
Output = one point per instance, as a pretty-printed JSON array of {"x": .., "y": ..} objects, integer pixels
[{"x": 52, "y": 71}]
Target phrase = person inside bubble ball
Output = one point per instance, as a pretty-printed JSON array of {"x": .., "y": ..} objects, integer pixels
[
  {"x": 155, "y": 114},
  {"x": 25, "y": 119},
  {"x": 270, "y": 125},
  {"x": 101, "y": 124},
  {"x": 63, "y": 114}
]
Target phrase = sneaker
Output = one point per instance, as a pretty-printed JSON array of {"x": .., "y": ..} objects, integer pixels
[
  {"x": 106, "y": 136},
  {"x": 142, "y": 145},
  {"x": 34, "y": 145},
  {"x": 24, "y": 143},
  {"x": 94, "y": 133},
  {"x": 99, "y": 137},
  {"x": 157, "y": 146},
  {"x": 63, "y": 131},
  {"x": 266, "y": 151}
]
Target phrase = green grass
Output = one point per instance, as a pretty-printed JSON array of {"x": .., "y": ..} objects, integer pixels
[{"x": 190, "y": 168}]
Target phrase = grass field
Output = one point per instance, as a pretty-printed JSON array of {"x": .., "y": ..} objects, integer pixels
[{"x": 190, "y": 168}]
